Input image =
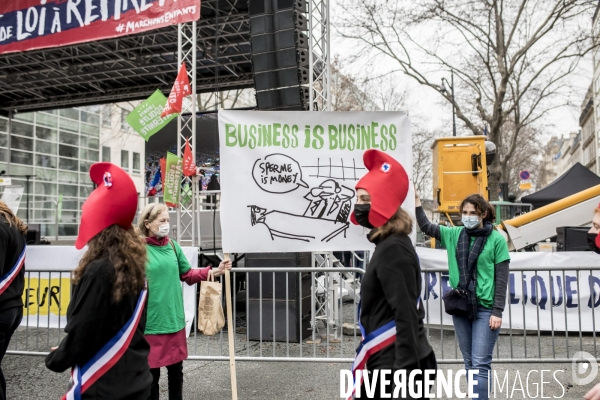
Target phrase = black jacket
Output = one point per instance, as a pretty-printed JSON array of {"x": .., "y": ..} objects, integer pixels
[
  {"x": 390, "y": 291},
  {"x": 92, "y": 320},
  {"x": 12, "y": 243}
]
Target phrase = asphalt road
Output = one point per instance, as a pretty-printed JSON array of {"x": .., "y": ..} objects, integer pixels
[{"x": 27, "y": 377}]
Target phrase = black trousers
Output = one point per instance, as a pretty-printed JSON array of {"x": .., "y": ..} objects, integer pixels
[
  {"x": 175, "y": 378},
  {"x": 9, "y": 321},
  {"x": 428, "y": 362}
]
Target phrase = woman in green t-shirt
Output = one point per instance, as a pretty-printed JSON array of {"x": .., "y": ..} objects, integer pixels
[
  {"x": 166, "y": 268},
  {"x": 477, "y": 245}
]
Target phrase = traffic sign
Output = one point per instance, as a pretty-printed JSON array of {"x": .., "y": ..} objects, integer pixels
[
  {"x": 525, "y": 185},
  {"x": 524, "y": 175}
]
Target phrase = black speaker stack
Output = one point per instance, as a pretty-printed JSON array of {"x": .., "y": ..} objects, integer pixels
[
  {"x": 280, "y": 54},
  {"x": 572, "y": 238},
  {"x": 284, "y": 291}
]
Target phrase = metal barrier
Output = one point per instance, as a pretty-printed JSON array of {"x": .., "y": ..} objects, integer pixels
[{"x": 330, "y": 318}]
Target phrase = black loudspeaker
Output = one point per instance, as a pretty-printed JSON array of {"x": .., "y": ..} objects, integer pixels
[
  {"x": 289, "y": 293},
  {"x": 33, "y": 234},
  {"x": 572, "y": 238},
  {"x": 279, "y": 53}
]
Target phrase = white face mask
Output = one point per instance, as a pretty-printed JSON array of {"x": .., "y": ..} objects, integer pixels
[
  {"x": 470, "y": 221},
  {"x": 163, "y": 230}
]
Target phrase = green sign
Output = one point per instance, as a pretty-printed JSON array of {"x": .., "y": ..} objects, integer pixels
[
  {"x": 145, "y": 119},
  {"x": 173, "y": 173}
]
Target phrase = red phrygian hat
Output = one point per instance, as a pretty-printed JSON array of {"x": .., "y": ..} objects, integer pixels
[
  {"x": 386, "y": 182},
  {"x": 114, "y": 201}
]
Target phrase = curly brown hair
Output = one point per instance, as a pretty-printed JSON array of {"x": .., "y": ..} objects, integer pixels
[
  {"x": 400, "y": 224},
  {"x": 481, "y": 206},
  {"x": 12, "y": 218},
  {"x": 126, "y": 251}
]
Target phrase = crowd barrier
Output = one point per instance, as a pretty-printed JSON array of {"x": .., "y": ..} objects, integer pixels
[{"x": 309, "y": 314}]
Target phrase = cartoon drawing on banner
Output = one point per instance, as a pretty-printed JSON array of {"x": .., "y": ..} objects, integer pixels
[
  {"x": 329, "y": 204},
  {"x": 325, "y": 217},
  {"x": 288, "y": 181}
]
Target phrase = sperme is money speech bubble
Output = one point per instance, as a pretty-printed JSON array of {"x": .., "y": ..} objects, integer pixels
[{"x": 278, "y": 173}]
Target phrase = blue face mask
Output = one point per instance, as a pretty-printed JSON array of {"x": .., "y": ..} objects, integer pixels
[{"x": 470, "y": 221}]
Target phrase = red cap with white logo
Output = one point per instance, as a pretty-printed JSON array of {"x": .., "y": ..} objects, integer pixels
[{"x": 387, "y": 184}]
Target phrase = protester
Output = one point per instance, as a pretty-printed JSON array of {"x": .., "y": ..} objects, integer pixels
[
  {"x": 165, "y": 330},
  {"x": 594, "y": 243},
  {"x": 12, "y": 282},
  {"x": 106, "y": 315},
  {"x": 391, "y": 287},
  {"x": 478, "y": 247}
]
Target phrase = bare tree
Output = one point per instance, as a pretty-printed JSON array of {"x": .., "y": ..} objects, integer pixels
[
  {"x": 226, "y": 99},
  {"x": 511, "y": 58},
  {"x": 352, "y": 93}
]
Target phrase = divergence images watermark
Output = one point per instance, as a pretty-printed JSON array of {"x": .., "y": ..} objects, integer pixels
[{"x": 439, "y": 384}]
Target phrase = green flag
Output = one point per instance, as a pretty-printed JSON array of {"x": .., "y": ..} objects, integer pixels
[
  {"x": 186, "y": 195},
  {"x": 173, "y": 173},
  {"x": 59, "y": 208},
  {"x": 145, "y": 119}
]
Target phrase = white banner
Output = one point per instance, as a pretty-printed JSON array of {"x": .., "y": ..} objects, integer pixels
[
  {"x": 288, "y": 178},
  {"x": 545, "y": 297},
  {"x": 47, "y": 294}
]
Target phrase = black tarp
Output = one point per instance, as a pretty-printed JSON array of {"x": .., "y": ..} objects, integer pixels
[{"x": 573, "y": 181}]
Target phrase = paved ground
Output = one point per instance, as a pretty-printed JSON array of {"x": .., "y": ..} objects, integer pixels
[{"x": 27, "y": 377}]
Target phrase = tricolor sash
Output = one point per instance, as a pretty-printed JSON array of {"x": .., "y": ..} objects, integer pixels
[
  {"x": 108, "y": 355},
  {"x": 7, "y": 279},
  {"x": 375, "y": 341}
]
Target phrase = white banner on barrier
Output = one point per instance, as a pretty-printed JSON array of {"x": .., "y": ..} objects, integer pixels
[
  {"x": 47, "y": 294},
  {"x": 288, "y": 177},
  {"x": 554, "y": 298}
]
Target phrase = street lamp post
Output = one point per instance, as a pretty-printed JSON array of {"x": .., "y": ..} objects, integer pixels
[{"x": 443, "y": 90}]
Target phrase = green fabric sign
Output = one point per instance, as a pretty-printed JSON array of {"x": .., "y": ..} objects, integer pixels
[
  {"x": 173, "y": 173},
  {"x": 145, "y": 119}
]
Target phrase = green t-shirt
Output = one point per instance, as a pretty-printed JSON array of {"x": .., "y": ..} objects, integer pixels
[
  {"x": 494, "y": 252},
  {"x": 165, "y": 296}
]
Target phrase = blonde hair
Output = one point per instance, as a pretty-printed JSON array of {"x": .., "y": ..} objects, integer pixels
[
  {"x": 400, "y": 224},
  {"x": 149, "y": 214},
  {"x": 12, "y": 218}
]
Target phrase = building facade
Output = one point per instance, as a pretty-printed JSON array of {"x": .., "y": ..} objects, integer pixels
[
  {"x": 56, "y": 149},
  {"x": 595, "y": 88}
]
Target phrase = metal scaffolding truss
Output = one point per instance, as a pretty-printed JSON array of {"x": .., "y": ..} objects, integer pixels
[
  {"x": 187, "y": 51},
  {"x": 130, "y": 67},
  {"x": 319, "y": 55}
]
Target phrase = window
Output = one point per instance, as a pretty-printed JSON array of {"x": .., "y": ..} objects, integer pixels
[
  {"x": 45, "y": 147},
  {"x": 19, "y": 128},
  {"x": 69, "y": 113},
  {"x": 125, "y": 160},
  {"x": 68, "y": 151},
  {"x": 43, "y": 118},
  {"x": 20, "y": 157},
  {"x": 136, "y": 163},
  {"x": 69, "y": 138},
  {"x": 105, "y": 154},
  {"x": 124, "y": 124},
  {"x": 21, "y": 143},
  {"x": 45, "y": 133},
  {"x": 106, "y": 116}
]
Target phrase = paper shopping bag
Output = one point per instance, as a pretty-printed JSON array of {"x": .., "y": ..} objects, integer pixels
[{"x": 210, "y": 312}]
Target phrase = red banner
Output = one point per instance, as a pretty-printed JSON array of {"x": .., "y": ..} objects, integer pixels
[
  {"x": 37, "y": 24},
  {"x": 189, "y": 166}
]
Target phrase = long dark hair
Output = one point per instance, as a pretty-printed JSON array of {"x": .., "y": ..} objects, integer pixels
[
  {"x": 400, "y": 224},
  {"x": 11, "y": 218},
  {"x": 481, "y": 206},
  {"x": 126, "y": 251}
]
